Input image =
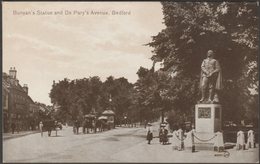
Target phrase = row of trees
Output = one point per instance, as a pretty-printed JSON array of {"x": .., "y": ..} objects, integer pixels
[
  {"x": 79, "y": 97},
  {"x": 192, "y": 28}
]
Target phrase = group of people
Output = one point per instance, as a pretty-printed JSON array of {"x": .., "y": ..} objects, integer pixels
[
  {"x": 48, "y": 126},
  {"x": 163, "y": 135},
  {"x": 89, "y": 125},
  {"x": 15, "y": 127}
]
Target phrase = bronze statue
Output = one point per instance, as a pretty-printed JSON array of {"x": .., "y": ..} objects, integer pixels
[{"x": 211, "y": 78}]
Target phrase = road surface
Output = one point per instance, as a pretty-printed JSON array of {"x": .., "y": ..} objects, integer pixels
[{"x": 117, "y": 145}]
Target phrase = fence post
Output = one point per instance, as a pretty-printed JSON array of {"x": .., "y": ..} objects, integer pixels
[
  {"x": 219, "y": 142},
  {"x": 180, "y": 134},
  {"x": 240, "y": 140},
  {"x": 250, "y": 139},
  {"x": 192, "y": 142}
]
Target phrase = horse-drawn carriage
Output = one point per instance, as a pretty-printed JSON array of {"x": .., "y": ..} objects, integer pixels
[
  {"x": 49, "y": 125},
  {"x": 91, "y": 123}
]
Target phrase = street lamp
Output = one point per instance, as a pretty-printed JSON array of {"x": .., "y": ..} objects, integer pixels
[
  {"x": 163, "y": 95},
  {"x": 110, "y": 99},
  {"x": 110, "y": 102},
  {"x": 125, "y": 120},
  {"x": 162, "y": 110}
]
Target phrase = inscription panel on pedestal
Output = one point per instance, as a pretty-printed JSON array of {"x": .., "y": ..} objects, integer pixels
[{"x": 204, "y": 112}]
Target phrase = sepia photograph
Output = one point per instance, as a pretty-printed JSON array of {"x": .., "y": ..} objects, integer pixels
[{"x": 130, "y": 82}]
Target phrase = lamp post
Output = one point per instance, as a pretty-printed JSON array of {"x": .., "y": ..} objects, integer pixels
[
  {"x": 161, "y": 92},
  {"x": 110, "y": 102},
  {"x": 125, "y": 120}
]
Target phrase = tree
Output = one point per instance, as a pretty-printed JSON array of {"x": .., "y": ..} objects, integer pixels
[
  {"x": 79, "y": 97},
  {"x": 230, "y": 29}
]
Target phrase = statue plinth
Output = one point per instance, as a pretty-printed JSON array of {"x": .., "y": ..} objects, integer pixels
[
  {"x": 208, "y": 120},
  {"x": 208, "y": 117}
]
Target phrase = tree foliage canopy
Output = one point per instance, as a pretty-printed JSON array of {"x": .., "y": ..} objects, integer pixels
[
  {"x": 79, "y": 97},
  {"x": 192, "y": 28}
]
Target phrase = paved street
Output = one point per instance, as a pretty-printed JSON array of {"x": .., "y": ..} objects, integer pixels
[{"x": 118, "y": 145}]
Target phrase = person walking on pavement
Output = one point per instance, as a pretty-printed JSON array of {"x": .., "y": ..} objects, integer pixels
[
  {"x": 165, "y": 136},
  {"x": 145, "y": 123},
  {"x": 77, "y": 126},
  {"x": 149, "y": 136},
  {"x": 13, "y": 127},
  {"x": 161, "y": 135},
  {"x": 41, "y": 128},
  {"x": 56, "y": 127}
]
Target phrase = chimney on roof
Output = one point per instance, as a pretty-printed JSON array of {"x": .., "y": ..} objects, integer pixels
[
  {"x": 12, "y": 73},
  {"x": 25, "y": 88}
]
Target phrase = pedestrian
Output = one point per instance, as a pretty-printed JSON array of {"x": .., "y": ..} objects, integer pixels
[
  {"x": 56, "y": 127},
  {"x": 13, "y": 127},
  {"x": 74, "y": 129},
  {"x": 165, "y": 136},
  {"x": 84, "y": 126},
  {"x": 149, "y": 136},
  {"x": 77, "y": 126},
  {"x": 94, "y": 126},
  {"x": 41, "y": 128},
  {"x": 161, "y": 135}
]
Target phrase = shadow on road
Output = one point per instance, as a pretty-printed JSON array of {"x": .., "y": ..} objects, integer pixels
[{"x": 57, "y": 136}]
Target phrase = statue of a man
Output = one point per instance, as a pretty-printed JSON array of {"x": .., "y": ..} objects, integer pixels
[{"x": 211, "y": 78}]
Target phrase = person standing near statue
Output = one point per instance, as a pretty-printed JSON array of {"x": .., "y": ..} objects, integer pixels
[
  {"x": 211, "y": 78},
  {"x": 149, "y": 136}
]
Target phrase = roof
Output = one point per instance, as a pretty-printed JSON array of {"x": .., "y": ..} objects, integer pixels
[
  {"x": 108, "y": 112},
  {"x": 6, "y": 79},
  {"x": 102, "y": 118},
  {"x": 7, "y": 84}
]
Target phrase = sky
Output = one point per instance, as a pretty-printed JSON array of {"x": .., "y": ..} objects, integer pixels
[{"x": 48, "y": 41}]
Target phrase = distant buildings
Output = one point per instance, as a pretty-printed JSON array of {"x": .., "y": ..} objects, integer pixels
[{"x": 18, "y": 107}]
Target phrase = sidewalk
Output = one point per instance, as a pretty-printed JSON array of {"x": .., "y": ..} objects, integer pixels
[
  {"x": 164, "y": 153},
  {"x": 7, "y": 136},
  {"x": 156, "y": 152}
]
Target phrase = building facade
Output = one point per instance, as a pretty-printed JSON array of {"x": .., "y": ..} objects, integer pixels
[
  {"x": 18, "y": 107},
  {"x": 5, "y": 102}
]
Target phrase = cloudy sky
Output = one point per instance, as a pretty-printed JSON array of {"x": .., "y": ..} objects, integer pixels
[{"x": 50, "y": 47}]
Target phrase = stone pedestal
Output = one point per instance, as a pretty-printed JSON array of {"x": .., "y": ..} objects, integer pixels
[
  {"x": 208, "y": 118},
  {"x": 208, "y": 121}
]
